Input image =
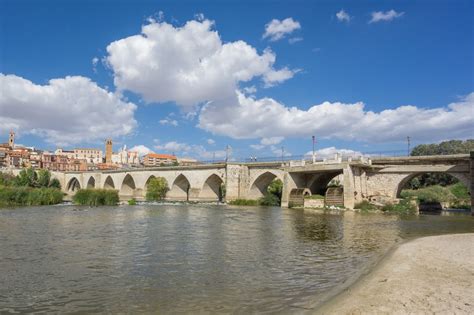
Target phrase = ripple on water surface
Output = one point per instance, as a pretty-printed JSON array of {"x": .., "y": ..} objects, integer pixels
[{"x": 165, "y": 258}]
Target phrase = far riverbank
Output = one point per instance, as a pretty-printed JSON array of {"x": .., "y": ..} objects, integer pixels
[{"x": 432, "y": 275}]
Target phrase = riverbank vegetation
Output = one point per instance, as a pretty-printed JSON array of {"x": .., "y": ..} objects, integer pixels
[
  {"x": 271, "y": 198},
  {"x": 29, "y": 188},
  {"x": 96, "y": 197},
  {"x": 156, "y": 189}
]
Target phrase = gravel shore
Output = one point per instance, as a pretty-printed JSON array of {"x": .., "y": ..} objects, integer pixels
[{"x": 430, "y": 275}]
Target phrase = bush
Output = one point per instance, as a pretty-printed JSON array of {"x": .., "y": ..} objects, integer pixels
[
  {"x": 269, "y": 200},
  {"x": 403, "y": 207},
  {"x": 156, "y": 189},
  {"x": 429, "y": 194},
  {"x": 244, "y": 202},
  {"x": 96, "y": 197},
  {"x": 460, "y": 191},
  {"x": 132, "y": 202},
  {"x": 27, "y": 196},
  {"x": 365, "y": 206}
]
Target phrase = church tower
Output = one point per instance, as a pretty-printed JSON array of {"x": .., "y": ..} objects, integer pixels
[
  {"x": 108, "y": 151},
  {"x": 11, "y": 139}
]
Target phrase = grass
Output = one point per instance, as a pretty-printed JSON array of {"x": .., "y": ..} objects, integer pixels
[
  {"x": 365, "y": 206},
  {"x": 27, "y": 196},
  {"x": 96, "y": 197},
  {"x": 405, "y": 206}
]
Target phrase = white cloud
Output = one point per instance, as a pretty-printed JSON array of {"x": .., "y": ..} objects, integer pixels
[
  {"x": 211, "y": 141},
  {"x": 95, "y": 60},
  {"x": 343, "y": 16},
  {"x": 189, "y": 65},
  {"x": 385, "y": 16},
  {"x": 329, "y": 152},
  {"x": 168, "y": 121},
  {"x": 250, "y": 89},
  {"x": 278, "y": 29},
  {"x": 184, "y": 149},
  {"x": 265, "y": 118},
  {"x": 295, "y": 40},
  {"x": 257, "y": 146},
  {"x": 271, "y": 141},
  {"x": 66, "y": 111},
  {"x": 141, "y": 149}
]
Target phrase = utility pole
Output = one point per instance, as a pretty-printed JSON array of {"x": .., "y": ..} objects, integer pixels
[
  {"x": 227, "y": 153},
  {"x": 314, "y": 154},
  {"x": 408, "y": 145}
]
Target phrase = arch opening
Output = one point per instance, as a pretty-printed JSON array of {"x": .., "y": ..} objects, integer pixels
[
  {"x": 73, "y": 185},
  {"x": 91, "y": 182},
  {"x": 212, "y": 189},
  {"x": 109, "y": 183},
  {"x": 128, "y": 186},
  {"x": 418, "y": 181},
  {"x": 319, "y": 183},
  {"x": 260, "y": 185},
  {"x": 180, "y": 188}
]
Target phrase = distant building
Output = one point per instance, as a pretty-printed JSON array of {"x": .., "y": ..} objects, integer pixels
[
  {"x": 187, "y": 161},
  {"x": 93, "y": 156},
  {"x": 125, "y": 157},
  {"x": 108, "y": 151},
  {"x": 154, "y": 159}
]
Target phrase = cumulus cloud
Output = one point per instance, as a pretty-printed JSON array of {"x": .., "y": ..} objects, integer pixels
[
  {"x": 343, "y": 16},
  {"x": 211, "y": 141},
  {"x": 380, "y": 16},
  {"x": 169, "y": 122},
  {"x": 95, "y": 61},
  {"x": 265, "y": 118},
  {"x": 189, "y": 65},
  {"x": 141, "y": 149},
  {"x": 66, "y": 111},
  {"x": 278, "y": 29}
]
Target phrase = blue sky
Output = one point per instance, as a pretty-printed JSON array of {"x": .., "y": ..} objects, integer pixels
[{"x": 194, "y": 87}]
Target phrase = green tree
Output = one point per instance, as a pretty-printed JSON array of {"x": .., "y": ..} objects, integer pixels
[
  {"x": 54, "y": 183},
  {"x": 276, "y": 188},
  {"x": 44, "y": 177},
  {"x": 156, "y": 189},
  {"x": 27, "y": 177}
]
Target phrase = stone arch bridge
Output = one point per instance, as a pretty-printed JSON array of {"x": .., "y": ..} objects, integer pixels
[{"x": 363, "y": 179}]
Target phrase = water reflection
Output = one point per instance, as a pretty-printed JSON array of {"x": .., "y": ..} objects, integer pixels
[{"x": 186, "y": 259}]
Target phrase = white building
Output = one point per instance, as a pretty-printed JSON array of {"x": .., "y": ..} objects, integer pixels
[{"x": 125, "y": 157}]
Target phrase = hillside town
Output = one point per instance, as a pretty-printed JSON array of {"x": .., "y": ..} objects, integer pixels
[{"x": 13, "y": 155}]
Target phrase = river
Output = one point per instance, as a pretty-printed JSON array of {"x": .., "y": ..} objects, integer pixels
[{"x": 191, "y": 258}]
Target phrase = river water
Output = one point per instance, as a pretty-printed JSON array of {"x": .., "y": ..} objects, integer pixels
[{"x": 190, "y": 258}]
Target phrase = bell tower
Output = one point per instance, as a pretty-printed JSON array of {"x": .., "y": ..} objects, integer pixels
[
  {"x": 108, "y": 151},
  {"x": 11, "y": 139}
]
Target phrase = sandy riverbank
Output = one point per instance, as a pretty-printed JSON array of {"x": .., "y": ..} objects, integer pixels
[{"x": 430, "y": 275}]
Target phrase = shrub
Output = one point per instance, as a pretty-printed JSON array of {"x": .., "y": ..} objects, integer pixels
[
  {"x": 459, "y": 190},
  {"x": 269, "y": 200},
  {"x": 96, "y": 197},
  {"x": 27, "y": 196},
  {"x": 429, "y": 194},
  {"x": 244, "y": 202},
  {"x": 365, "y": 206},
  {"x": 403, "y": 207},
  {"x": 132, "y": 202},
  {"x": 156, "y": 189}
]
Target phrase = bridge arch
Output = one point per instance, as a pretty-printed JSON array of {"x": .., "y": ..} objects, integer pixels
[
  {"x": 212, "y": 188},
  {"x": 405, "y": 180},
  {"x": 319, "y": 182},
  {"x": 109, "y": 183},
  {"x": 179, "y": 190},
  {"x": 259, "y": 185},
  {"x": 73, "y": 185},
  {"x": 91, "y": 182},
  {"x": 128, "y": 186}
]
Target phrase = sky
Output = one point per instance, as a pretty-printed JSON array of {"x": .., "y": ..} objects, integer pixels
[{"x": 193, "y": 77}]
